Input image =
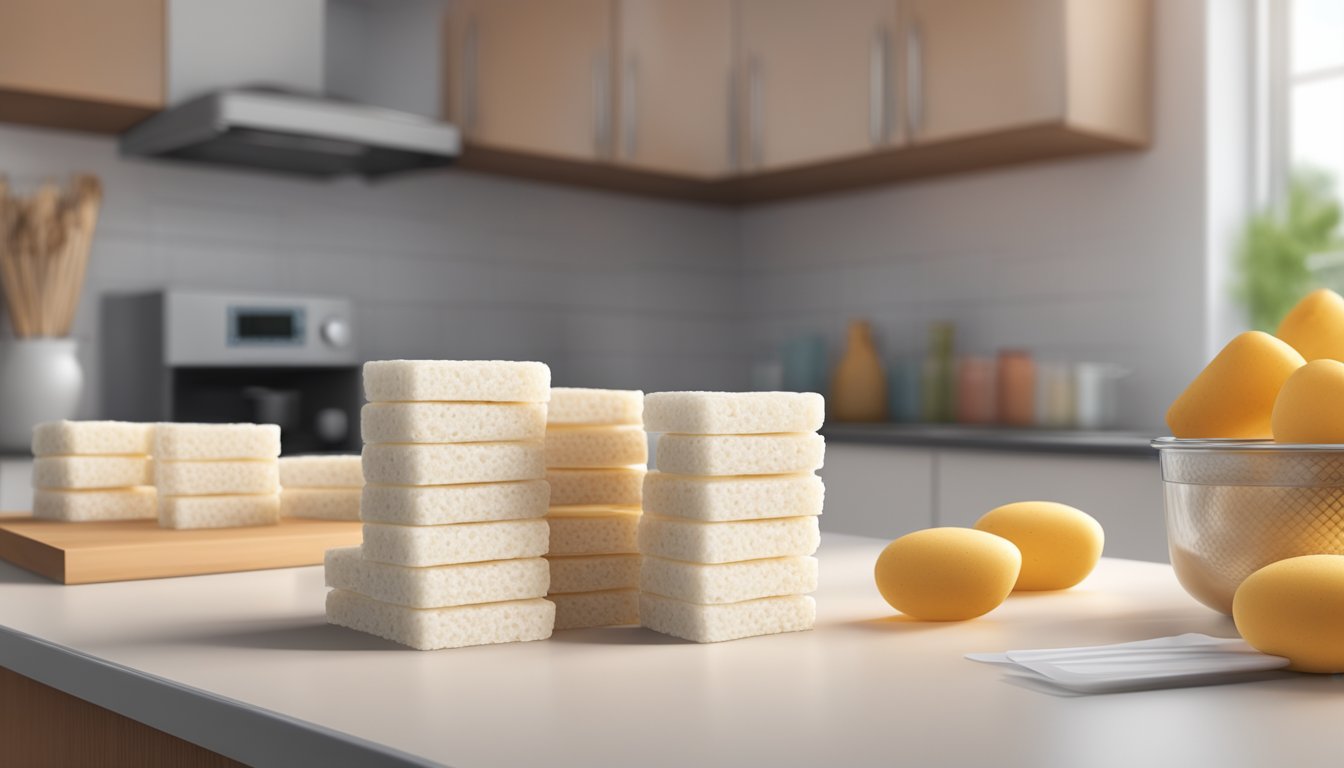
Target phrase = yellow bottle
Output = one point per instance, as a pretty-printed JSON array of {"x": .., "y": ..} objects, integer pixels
[{"x": 859, "y": 385}]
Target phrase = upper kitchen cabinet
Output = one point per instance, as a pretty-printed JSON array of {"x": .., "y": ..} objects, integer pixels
[
  {"x": 87, "y": 65},
  {"x": 532, "y": 77},
  {"x": 674, "y": 100},
  {"x": 977, "y": 67},
  {"x": 816, "y": 80}
]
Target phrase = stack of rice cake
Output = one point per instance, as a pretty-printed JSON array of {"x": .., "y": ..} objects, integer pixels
[
  {"x": 454, "y": 507},
  {"x": 93, "y": 470},
  {"x": 730, "y": 518},
  {"x": 217, "y": 475},
  {"x": 324, "y": 487},
  {"x": 595, "y": 450}
]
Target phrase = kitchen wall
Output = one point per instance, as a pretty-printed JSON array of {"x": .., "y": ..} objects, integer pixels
[
  {"x": 610, "y": 290},
  {"x": 1097, "y": 259}
]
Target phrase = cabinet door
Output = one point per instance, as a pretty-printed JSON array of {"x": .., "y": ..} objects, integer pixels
[
  {"x": 817, "y": 80},
  {"x": 977, "y": 66},
  {"x": 533, "y": 76},
  {"x": 88, "y": 52},
  {"x": 877, "y": 490},
  {"x": 675, "y": 86}
]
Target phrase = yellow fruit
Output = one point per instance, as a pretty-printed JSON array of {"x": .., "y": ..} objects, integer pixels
[
  {"x": 947, "y": 574},
  {"x": 1233, "y": 397},
  {"x": 1060, "y": 545},
  {"x": 1308, "y": 407},
  {"x": 1315, "y": 326},
  {"x": 1295, "y": 608}
]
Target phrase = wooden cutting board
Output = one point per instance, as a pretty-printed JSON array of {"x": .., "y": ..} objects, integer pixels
[{"x": 84, "y": 553}]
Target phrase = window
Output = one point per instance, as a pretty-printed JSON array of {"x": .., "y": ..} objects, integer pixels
[{"x": 1312, "y": 76}]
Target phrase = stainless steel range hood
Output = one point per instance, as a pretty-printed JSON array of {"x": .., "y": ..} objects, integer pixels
[{"x": 297, "y": 133}]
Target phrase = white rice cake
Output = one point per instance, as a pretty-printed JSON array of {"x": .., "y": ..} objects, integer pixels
[
  {"x": 594, "y": 530},
  {"x": 439, "y": 587},
  {"x": 93, "y": 438},
  {"x": 429, "y": 629},
  {"x": 740, "y": 454},
  {"x": 595, "y": 447},
  {"x": 211, "y": 478},
  {"x": 322, "y": 471},
  {"x": 448, "y": 504},
  {"x": 696, "y": 542},
  {"x": 490, "y": 381},
  {"x": 609, "y": 608},
  {"x": 452, "y": 422},
  {"x": 591, "y": 573},
  {"x": 138, "y": 503},
  {"x": 216, "y": 441},
  {"x": 320, "y": 503},
  {"x": 733, "y": 413},
  {"x": 594, "y": 407},
  {"x": 82, "y": 472},
  {"x": 425, "y": 545},
  {"x": 218, "y": 511},
  {"x": 716, "y": 499},
  {"x": 728, "y": 582},
  {"x": 452, "y": 463},
  {"x": 733, "y": 621},
  {"x": 571, "y": 487}
]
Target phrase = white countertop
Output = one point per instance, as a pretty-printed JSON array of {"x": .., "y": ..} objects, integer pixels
[{"x": 244, "y": 664}]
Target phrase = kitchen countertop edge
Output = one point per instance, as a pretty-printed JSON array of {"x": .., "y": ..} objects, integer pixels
[{"x": 1087, "y": 443}]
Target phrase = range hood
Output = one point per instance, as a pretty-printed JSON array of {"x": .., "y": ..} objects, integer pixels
[
  {"x": 291, "y": 132},
  {"x": 248, "y": 83}
]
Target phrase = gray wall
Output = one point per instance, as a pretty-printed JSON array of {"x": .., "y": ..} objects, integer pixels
[{"x": 610, "y": 290}]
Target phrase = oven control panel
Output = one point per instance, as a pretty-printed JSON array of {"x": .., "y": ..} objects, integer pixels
[{"x": 210, "y": 329}]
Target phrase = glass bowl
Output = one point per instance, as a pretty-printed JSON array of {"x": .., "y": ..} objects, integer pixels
[{"x": 1235, "y": 506}]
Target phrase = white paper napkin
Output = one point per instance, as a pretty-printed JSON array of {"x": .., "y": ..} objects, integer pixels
[{"x": 1164, "y": 662}]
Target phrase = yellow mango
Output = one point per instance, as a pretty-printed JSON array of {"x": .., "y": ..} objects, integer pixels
[
  {"x": 947, "y": 574},
  {"x": 1308, "y": 407},
  {"x": 1315, "y": 326},
  {"x": 1233, "y": 397},
  {"x": 1295, "y": 609},
  {"x": 1060, "y": 544}
]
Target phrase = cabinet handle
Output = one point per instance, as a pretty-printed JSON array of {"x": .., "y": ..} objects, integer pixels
[
  {"x": 914, "y": 84},
  {"x": 630, "y": 108},
  {"x": 470, "y": 62},
  {"x": 878, "y": 88},
  {"x": 601, "y": 106},
  {"x": 754, "y": 112}
]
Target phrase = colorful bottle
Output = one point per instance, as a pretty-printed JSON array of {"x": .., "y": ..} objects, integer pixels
[{"x": 859, "y": 386}]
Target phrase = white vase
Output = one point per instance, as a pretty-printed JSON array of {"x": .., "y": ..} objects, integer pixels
[{"x": 40, "y": 380}]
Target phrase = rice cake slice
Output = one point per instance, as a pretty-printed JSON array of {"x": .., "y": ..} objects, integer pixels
[
  {"x": 320, "y": 503},
  {"x": 594, "y": 407},
  {"x": 733, "y": 621},
  {"x": 425, "y": 545},
  {"x": 449, "y": 504},
  {"x": 728, "y": 582},
  {"x": 322, "y": 471},
  {"x": 87, "y": 472},
  {"x": 138, "y": 503},
  {"x": 595, "y": 447},
  {"x": 428, "y": 629},
  {"x": 219, "y": 511},
  {"x": 608, "y": 608},
  {"x": 209, "y": 478},
  {"x": 452, "y": 422},
  {"x": 696, "y": 542},
  {"x": 441, "y": 586},
  {"x": 592, "y": 573},
  {"x": 576, "y": 487},
  {"x": 216, "y": 441},
  {"x": 452, "y": 463},
  {"x": 740, "y": 454},
  {"x": 733, "y": 413},
  {"x": 593, "y": 530},
  {"x": 733, "y": 497},
  {"x": 494, "y": 381},
  {"x": 93, "y": 438}
]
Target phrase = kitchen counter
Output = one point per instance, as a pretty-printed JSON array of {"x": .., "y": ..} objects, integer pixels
[
  {"x": 1069, "y": 441},
  {"x": 244, "y": 665}
]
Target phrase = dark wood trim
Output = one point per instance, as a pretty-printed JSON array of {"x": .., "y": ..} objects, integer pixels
[
  {"x": 41, "y": 726},
  {"x": 70, "y": 113}
]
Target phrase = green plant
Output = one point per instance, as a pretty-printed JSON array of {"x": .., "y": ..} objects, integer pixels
[{"x": 1280, "y": 249}]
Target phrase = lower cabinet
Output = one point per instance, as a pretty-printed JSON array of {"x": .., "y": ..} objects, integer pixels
[{"x": 888, "y": 491}]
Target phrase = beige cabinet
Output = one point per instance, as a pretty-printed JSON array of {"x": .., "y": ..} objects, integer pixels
[
  {"x": 83, "y": 64},
  {"x": 532, "y": 76},
  {"x": 816, "y": 80},
  {"x": 675, "y": 91},
  {"x": 975, "y": 67}
]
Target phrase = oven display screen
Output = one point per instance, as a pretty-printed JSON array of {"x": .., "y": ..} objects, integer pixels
[{"x": 266, "y": 326}]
